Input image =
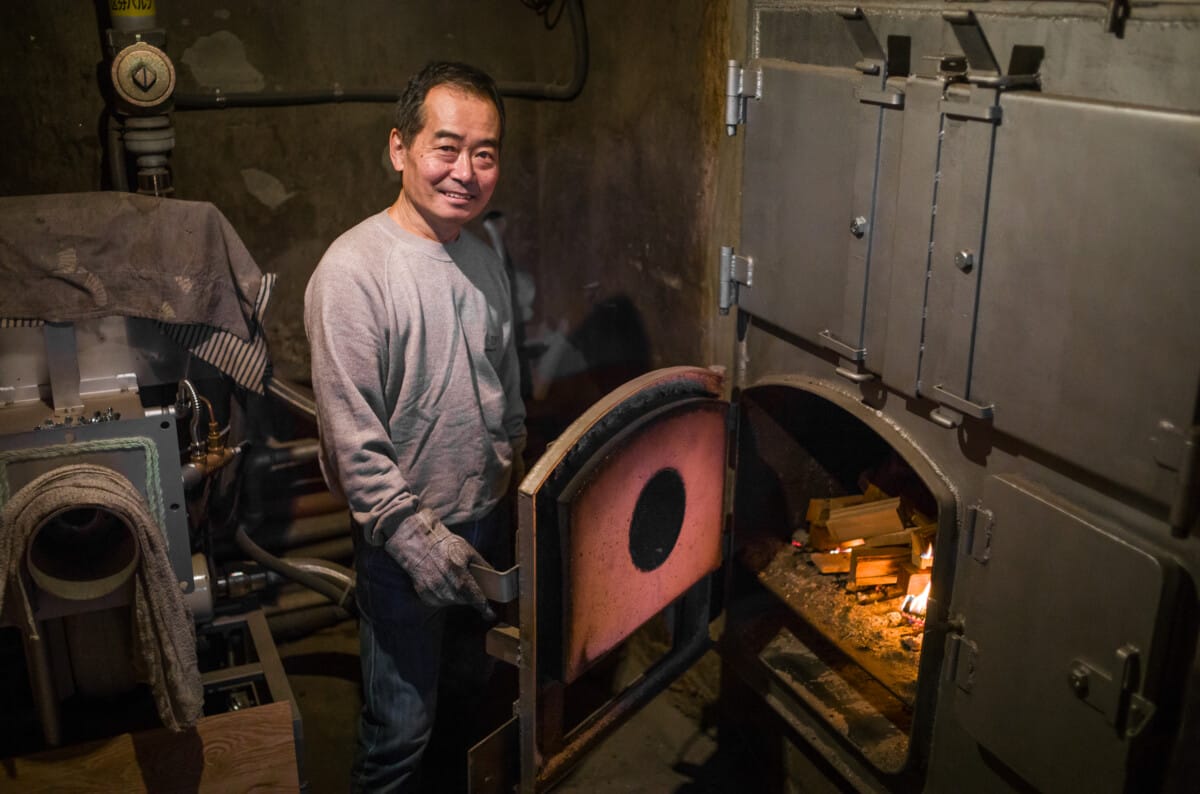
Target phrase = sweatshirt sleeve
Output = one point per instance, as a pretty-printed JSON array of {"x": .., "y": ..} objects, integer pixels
[{"x": 345, "y": 320}]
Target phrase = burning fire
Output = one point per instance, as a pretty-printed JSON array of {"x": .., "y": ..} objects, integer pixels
[
  {"x": 928, "y": 555},
  {"x": 916, "y": 604}
]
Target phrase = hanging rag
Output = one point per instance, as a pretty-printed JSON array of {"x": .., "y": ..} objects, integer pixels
[{"x": 164, "y": 638}]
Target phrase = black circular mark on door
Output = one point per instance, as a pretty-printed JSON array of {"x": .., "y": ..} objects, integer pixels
[{"x": 657, "y": 520}]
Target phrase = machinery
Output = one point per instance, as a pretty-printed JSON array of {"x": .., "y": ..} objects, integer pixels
[{"x": 135, "y": 456}]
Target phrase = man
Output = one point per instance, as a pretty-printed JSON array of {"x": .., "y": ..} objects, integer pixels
[{"x": 415, "y": 373}]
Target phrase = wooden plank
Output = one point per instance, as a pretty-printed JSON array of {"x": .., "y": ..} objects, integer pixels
[
  {"x": 871, "y": 581},
  {"x": 914, "y": 579},
  {"x": 248, "y": 750},
  {"x": 831, "y": 563},
  {"x": 818, "y": 509},
  {"x": 901, "y": 538},
  {"x": 869, "y": 567},
  {"x": 922, "y": 538},
  {"x": 865, "y": 520}
]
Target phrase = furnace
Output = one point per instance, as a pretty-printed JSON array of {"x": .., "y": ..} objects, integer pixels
[{"x": 957, "y": 527}]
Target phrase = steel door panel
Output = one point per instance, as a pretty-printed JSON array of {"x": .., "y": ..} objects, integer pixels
[
  {"x": 906, "y": 252},
  {"x": 798, "y": 198},
  {"x": 1059, "y": 588},
  {"x": 643, "y": 523},
  {"x": 1093, "y": 219},
  {"x": 963, "y": 172}
]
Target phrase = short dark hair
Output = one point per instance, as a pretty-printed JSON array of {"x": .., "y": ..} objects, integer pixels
[{"x": 410, "y": 109}]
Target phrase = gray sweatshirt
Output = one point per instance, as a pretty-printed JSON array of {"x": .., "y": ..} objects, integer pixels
[{"x": 415, "y": 374}]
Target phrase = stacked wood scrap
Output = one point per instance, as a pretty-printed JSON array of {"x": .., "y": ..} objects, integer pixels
[
  {"x": 872, "y": 567},
  {"x": 877, "y": 540}
]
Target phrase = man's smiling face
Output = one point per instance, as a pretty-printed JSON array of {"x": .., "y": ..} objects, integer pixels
[{"x": 451, "y": 167}]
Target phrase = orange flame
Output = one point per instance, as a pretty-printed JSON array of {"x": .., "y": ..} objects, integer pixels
[
  {"x": 928, "y": 555},
  {"x": 916, "y": 605}
]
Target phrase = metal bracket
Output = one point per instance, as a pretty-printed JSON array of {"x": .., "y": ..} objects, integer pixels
[
  {"x": 841, "y": 348},
  {"x": 1115, "y": 16},
  {"x": 855, "y": 375},
  {"x": 503, "y": 642},
  {"x": 873, "y": 88},
  {"x": 978, "y": 533},
  {"x": 1114, "y": 696},
  {"x": 736, "y": 94},
  {"x": 734, "y": 272},
  {"x": 977, "y": 410},
  {"x": 62, "y": 360}
]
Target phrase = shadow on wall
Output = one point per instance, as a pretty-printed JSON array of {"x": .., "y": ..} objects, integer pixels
[{"x": 571, "y": 369}]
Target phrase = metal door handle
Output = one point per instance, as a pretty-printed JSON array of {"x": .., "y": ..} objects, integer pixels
[{"x": 498, "y": 586}]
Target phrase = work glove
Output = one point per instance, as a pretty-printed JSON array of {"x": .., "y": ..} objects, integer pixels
[{"x": 439, "y": 563}]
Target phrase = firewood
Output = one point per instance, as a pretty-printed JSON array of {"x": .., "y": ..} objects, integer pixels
[
  {"x": 900, "y": 538},
  {"x": 914, "y": 579},
  {"x": 873, "y": 493},
  {"x": 831, "y": 563},
  {"x": 921, "y": 541},
  {"x": 865, "y": 520},
  {"x": 818, "y": 509},
  {"x": 819, "y": 540},
  {"x": 869, "y": 567}
]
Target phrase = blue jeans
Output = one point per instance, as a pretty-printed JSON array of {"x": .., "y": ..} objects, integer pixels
[{"x": 401, "y": 651}]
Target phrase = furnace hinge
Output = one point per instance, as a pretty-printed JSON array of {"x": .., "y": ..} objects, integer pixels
[
  {"x": 735, "y": 271},
  {"x": 737, "y": 92}
]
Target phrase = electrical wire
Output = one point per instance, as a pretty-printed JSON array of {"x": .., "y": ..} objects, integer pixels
[{"x": 542, "y": 9}]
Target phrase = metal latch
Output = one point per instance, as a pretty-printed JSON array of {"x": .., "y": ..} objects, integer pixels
[
  {"x": 873, "y": 88},
  {"x": 736, "y": 94},
  {"x": 735, "y": 271},
  {"x": 981, "y": 99},
  {"x": 1114, "y": 695}
]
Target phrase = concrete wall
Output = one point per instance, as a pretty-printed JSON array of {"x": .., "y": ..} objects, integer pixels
[{"x": 609, "y": 198}]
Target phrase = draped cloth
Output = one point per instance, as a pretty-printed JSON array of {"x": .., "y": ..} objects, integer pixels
[{"x": 164, "y": 638}]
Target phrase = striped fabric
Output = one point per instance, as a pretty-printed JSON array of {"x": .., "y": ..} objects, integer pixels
[{"x": 247, "y": 362}]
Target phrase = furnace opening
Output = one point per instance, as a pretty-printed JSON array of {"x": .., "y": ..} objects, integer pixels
[
  {"x": 657, "y": 519},
  {"x": 837, "y": 522}
]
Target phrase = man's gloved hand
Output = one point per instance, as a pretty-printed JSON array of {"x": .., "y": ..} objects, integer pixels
[{"x": 439, "y": 563}]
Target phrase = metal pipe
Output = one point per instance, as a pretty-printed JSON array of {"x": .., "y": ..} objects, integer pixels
[
  {"x": 115, "y": 150},
  {"x": 516, "y": 90},
  {"x": 336, "y": 549},
  {"x": 342, "y": 596},
  {"x": 41, "y": 678},
  {"x": 294, "y": 396},
  {"x": 309, "y": 505},
  {"x": 193, "y": 399},
  {"x": 291, "y": 625}
]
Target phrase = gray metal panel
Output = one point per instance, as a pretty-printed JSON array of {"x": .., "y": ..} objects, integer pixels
[
  {"x": 1093, "y": 243},
  {"x": 1058, "y": 589},
  {"x": 964, "y": 167},
  {"x": 906, "y": 253},
  {"x": 797, "y": 204}
]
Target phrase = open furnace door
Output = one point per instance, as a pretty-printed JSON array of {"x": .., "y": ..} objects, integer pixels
[{"x": 620, "y": 520}]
